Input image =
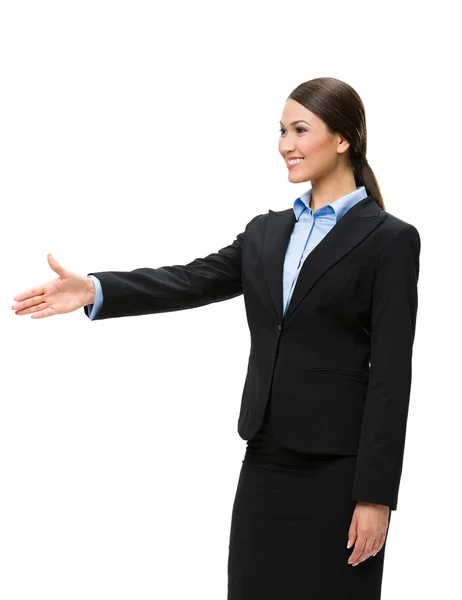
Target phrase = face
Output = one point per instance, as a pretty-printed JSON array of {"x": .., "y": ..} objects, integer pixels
[{"x": 309, "y": 139}]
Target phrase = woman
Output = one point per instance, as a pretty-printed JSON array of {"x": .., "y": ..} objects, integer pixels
[{"x": 330, "y": 291}]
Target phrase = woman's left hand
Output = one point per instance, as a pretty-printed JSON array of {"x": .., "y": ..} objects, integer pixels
[{"x": 368, "y": 531}]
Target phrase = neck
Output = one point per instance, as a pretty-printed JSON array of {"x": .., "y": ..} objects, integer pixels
[{"x": 331, "y": 187}]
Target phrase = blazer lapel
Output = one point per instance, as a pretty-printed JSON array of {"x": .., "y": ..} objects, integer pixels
[{"x": 356, "y": 224}]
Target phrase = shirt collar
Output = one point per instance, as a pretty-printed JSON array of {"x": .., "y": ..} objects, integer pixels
[{"x": 339, "y": 206}]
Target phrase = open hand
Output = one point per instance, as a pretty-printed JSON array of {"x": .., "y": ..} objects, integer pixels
[{"x": 66, "y": 293}]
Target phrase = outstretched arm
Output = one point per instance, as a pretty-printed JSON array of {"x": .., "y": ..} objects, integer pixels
[{"x": 146, "y": 290}]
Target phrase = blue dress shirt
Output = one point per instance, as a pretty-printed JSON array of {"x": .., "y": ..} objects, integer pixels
[{"x": 309, "y": 229}]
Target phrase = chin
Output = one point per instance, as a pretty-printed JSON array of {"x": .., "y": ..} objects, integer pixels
[{"x": 298, "y": 178}]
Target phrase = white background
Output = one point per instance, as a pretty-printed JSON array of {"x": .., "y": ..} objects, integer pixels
[{"x": 144, "y": 134}]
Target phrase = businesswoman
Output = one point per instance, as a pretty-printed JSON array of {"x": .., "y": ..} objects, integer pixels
[{"x": 330, "y": 292}]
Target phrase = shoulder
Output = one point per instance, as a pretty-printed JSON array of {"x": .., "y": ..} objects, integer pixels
[
  {"x": 393, "y": 228},
  {"x": 258, "y": 220},
  {"x": 262, "y": 218},
  {"x": 400, "y": 242}
]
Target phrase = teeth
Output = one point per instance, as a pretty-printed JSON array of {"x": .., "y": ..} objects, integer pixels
[{"x": 295, "y": 161}]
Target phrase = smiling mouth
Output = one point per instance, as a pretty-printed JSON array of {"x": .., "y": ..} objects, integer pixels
[{"x": 291, "y": 165}]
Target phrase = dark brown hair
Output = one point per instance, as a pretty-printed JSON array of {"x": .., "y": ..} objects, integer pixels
[{"x": 342, "y": 110}]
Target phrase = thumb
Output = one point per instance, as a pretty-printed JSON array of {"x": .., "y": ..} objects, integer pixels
[{"x": 57, "y": 268}]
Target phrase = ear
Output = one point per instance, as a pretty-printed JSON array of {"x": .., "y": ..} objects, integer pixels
[{"x": 343, "y": 145}]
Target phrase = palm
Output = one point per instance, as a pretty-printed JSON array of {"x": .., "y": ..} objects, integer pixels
[{"x": 64, "y": 293}]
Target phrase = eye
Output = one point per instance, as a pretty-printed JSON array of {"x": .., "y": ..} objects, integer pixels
[{"x": 296, "y": 129}]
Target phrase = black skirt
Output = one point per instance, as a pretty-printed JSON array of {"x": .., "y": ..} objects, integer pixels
[{"x": 289, "y": 527}]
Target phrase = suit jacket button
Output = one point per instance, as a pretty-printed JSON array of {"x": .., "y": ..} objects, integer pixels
[{"x": 278, "y": 328}]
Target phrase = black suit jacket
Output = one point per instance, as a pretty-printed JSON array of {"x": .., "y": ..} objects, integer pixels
[{"x": 338, "y": 364}]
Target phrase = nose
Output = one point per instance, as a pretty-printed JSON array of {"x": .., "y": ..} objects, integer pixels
[{"x": 286, "y": 147}]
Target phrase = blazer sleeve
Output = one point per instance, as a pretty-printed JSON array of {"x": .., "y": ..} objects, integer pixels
[
  {"x": 146, "y": 290},
  {"x": 393, "y": 321},
  {"x": 94, "y": 308}
]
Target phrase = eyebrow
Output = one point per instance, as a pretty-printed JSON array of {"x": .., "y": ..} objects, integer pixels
[{"x": 295, "y": 122}]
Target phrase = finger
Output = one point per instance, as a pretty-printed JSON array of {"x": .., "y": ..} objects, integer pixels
[
  {"x": 352, "y": 533},
  {"x": 25, "y": 304},
  {"x": 37, "y": 291},
  {"x": 358, "y": 549},
  {"x": 34, "y": 309},
  {"x": 351, "y": 539},
  {"x": 366, "y": 552},
  {"x": 381, "y": 543},
  {"x": 358, "y": 557},
  {"x": 48, "y": 312},
  {"x": 376, "y": 547}
]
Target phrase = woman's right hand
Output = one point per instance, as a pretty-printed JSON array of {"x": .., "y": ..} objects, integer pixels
[{"x": 66, "y": 293}]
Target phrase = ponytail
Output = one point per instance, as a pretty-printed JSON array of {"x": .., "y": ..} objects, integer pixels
[{"x": 364, "y": 175}]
